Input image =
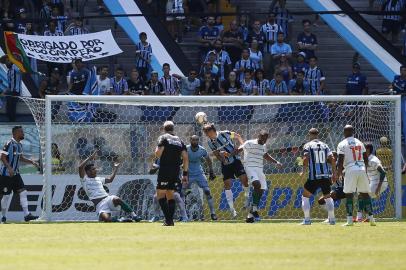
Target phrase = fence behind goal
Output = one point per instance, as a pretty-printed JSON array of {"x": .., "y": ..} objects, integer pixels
[{"x": 126, "y": 128}]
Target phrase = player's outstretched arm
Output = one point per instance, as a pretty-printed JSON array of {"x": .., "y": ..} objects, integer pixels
[
  {"x": 332, "y": 161},
  {"x": 340, "y": 165},
  {"x": 83, "y": 164},
  {"x": 268, "y": 157},
  {"x": 26, "y": 160},
  {"x": 185, "y": 165},
  {"x": 210, "y": 166},
  {"x": 237, "y": 137},
  {"x": 305, "y": 165},
  {"x": 113, "y": 174}
]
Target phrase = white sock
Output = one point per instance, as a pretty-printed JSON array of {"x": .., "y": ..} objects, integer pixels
[
  {"x": 349, "y": 220},
  {"x": 246, "y": 191},
  {"x": 4, "y": 205},
  {"x": 24, "y": 202},
  {"x": 229, "y": 197},
  {"x": 359, "y": 215},
  {"x": 371, "y": 218},
  {"x": 306, "y": 207},
  {"x": 330, "y": 208}
]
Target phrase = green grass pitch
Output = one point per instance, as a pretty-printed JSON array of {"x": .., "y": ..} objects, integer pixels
[{"x": 194, "y": 246}]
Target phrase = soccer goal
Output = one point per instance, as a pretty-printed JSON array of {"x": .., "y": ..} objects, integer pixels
[{"x": 126, "y": 128}]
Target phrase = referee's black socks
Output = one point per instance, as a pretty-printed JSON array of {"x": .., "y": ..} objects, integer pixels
[
  {"x": 171, "y": 209},
  {"x": 165, "y": 209}
]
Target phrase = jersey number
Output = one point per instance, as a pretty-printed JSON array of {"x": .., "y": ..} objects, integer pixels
[
  {"x": 320, "y": 157},
  {"x": 356, "y": 152}
]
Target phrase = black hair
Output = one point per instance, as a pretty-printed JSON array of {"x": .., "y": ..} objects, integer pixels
[
  {"x": 119, "y": 69},
  {"x": 15, "y": 128},
  {"x": 89, "y": 167},
  {"x": 306, "y": 21},
  {"x": 166, "y": 65},
  {"x": 209, "y": 127},
  {"x": 313, "y": 57},
  {"x": 370, "y": 147},
  {"x": 142, "y": 34}
]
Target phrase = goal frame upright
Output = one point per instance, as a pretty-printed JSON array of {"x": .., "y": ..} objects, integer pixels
[{"x": 217, "y": 101}]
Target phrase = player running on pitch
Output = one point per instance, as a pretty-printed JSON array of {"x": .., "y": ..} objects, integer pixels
[
  {"x": 255, "y": 151},
  {"x": 377, "y": 177},
  {"x": 352, "y": 158},
  {"x": 10, "y": 178},
  {"x": 317, "y": 156},
  {"x": 104, "y": 203},
  {"x": 223, "y": 147},
  {"x": 196, "y": 155}
]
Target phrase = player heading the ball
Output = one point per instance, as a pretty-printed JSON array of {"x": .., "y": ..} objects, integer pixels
[
  {"x": 223, "y": 147},
  {"x": 353, "y": 158},
  {"x": 93, "y": 185}
]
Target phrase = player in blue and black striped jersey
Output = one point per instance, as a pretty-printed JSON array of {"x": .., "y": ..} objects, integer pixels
[
  {"x": 10, "y": 178},
  {"x": 316, "y": 159},
  {"x": 223, "y": 147}
]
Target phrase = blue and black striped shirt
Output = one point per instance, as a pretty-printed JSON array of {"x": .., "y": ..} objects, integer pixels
[
  {"x": 317, "y": 152},
  {"x": 224, "y": 142},
  {"x": 13, "y": 151}
]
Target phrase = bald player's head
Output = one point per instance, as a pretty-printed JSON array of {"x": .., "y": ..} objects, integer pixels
[
  {"x": 348, "y": 131},
  {"x": 313, "y": 133},
  {"x": 169, "y": 126}
]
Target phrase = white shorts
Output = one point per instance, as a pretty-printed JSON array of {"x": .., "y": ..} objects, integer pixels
[
  {"x": 374, "y": 184},
  {"x": 356, "y": 181},
  {"x": 107, "y": 205},
  {"x": 256, "y": 174}
]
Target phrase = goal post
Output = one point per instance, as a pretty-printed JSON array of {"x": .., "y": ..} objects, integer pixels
[{"x": 129, "y": 125}]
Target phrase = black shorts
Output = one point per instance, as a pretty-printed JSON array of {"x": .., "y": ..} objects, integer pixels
[
  {"x": 168, "y": 177},
  {"x": 313, "y": 185},
  {"x": 390, "y": 26},
  {"x": 8, "y": 184},
  {"x": 338, "y": 193},
  {"x": 235, "y": 169}
]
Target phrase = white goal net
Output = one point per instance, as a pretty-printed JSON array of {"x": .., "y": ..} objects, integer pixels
[{"x": 126, "y": 128}]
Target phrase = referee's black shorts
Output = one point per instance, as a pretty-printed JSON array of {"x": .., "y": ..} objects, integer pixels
[
  {"x": 313, "y": 185},
  {"x": 235, "y": 169},
  {"x": 8, "y": 184},
  {"x": 168, "y": 176}
]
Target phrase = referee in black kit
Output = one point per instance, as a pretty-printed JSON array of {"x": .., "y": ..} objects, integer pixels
[{"x": 172, "y": 153}]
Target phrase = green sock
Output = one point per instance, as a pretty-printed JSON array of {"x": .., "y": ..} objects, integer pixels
[
  {"x": 368, "y": 206},
  {"x": 256, "y": 197},
  {"x": 126, "y": 207},
  {"x": 349, "y": 206}
]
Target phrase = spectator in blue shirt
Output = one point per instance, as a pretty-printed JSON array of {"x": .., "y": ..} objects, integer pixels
[
  {"x": 300, "y": 64},
  {"x": 280, "y": 47},
  {"x": 189, "y": 85},
  {"x": 299, "y": 86},
  {"x": 207, "y": 36},
  {"x": 78, "y": 78},
  {"x": 307, "y": 41},
  {"x": 278, "y": 85},
  {"x": 284, "y": 19},
  {"x": 356, "y": 82},
  {"x": 14, "y": 89}
]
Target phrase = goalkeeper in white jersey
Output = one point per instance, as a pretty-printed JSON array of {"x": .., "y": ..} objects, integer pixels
[
  {"x": 104, "y": 203},
  {"x": 378, "y": 182},
  {"x": 255, "y": 151}
]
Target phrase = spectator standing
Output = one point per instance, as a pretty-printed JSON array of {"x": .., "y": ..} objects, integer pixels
[
  {"x": 222, "y": 61},
  {"x": 53, "y": 31},
  {"x": 298, "y": 85},
  {"x": 263, "y": 85},
  {"x": 189, "y": 86},
  {"x": 119, "y": 85},
  {"x": 233, "y": 41},
  {"x": 154, "y": 86},
  {"x": 231, "y": 86},
  {"x": 175, "y": 24},
  {"x": 356, "y": 82},
  {"x": 391, "y": 24},
  {"x": 208, "y": 34},
  {"x": 270, "y": 30},
  {"x": 300, "y": 64},
  {"x": 21, "y": 23},
  {"x": 256, "y": 54},
  {"x": 46, "y": 10},
  {"x": 14, "y": 88},
  {"x": 219, "y": 24},
  {"x": 135, "y": 83},
  {"x": 143, "y": 56},
  {"x": 208, "y": 86},
  {"x": 284, "y": 19},
  {"x": 169, "y": 83},
  {"x": 76, "y": 28},
  {"x": 244, "y": 64},
  {"x": 257, "y": 34},
  {"x": 51, "y": 85},
  {"x": 315, "y": 76},
  {"x": 278, "y": 85},
  {"x": 60, "y": 20},
  {"x": 307, "y": 41},
  {"x": 243, "y": 27},
  {"x": 78, "y": 78},
  {"x": 103, "y": 81}
]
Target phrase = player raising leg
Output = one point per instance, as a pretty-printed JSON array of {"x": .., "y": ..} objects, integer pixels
[
  {"x": 104, "y": 203},
  {"x": 317, "y": 155},
  {"x": 223, "y": 147},
  {"x": 353, "y": 158},
  {"x": 377, "y": 177},
  {"x": 255, "y": 151}
]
